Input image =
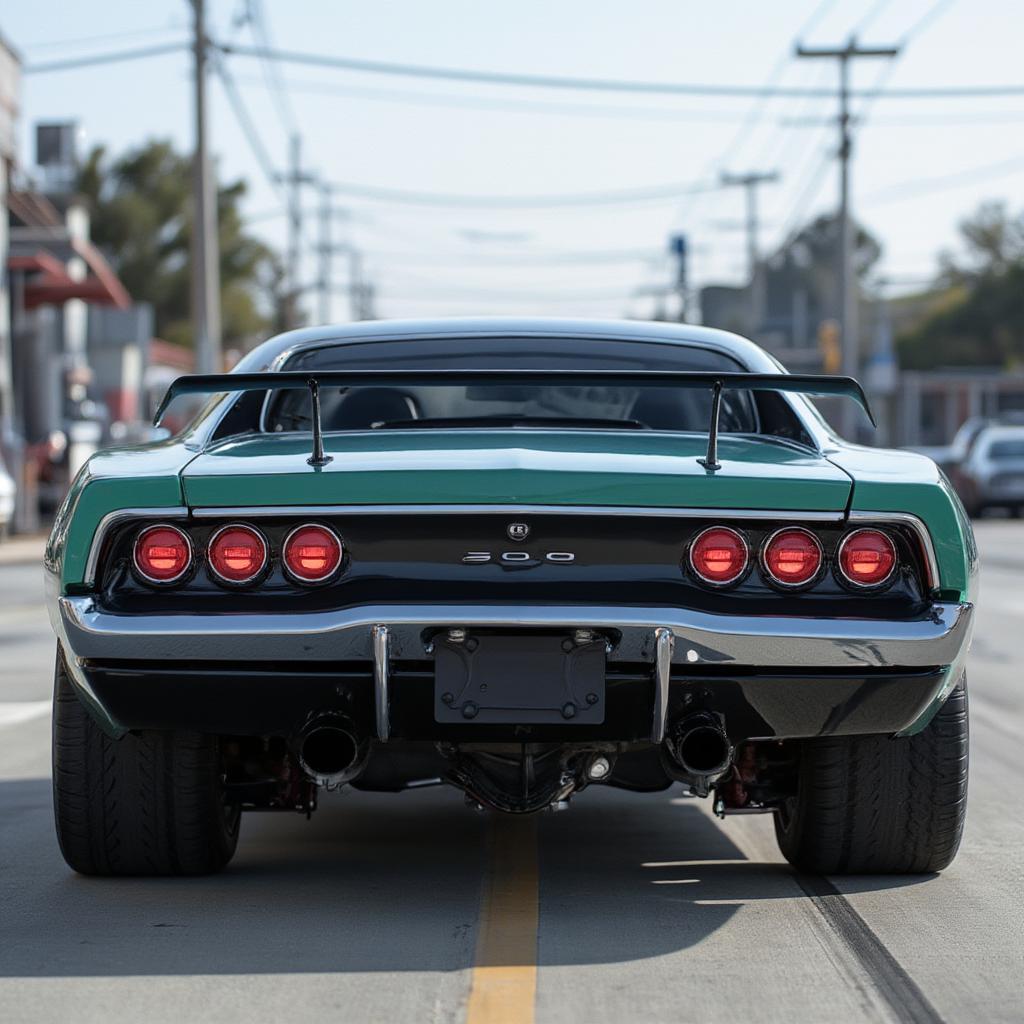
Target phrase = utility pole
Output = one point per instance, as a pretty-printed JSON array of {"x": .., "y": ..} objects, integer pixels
[
  {"x": 205, "y": 247},
  {"x": 325, "y": 252},
  {"x": 678, "y": 246},
  {"x": 294, "y": 179},
  {"x": 755, "y": 290},
  {"x": 294, "y": 228},
  {"x": 847, "y": 285},
  {"x": 355, "y": 284}
]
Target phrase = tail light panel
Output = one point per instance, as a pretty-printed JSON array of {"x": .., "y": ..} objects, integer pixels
[
  {"x": 795, "y": 558},
  {"x": 237, "y": 554},
  {"x": 719, "y": 556},
  {"x": 867, "y": 558},
  {"x": 792, "y": 557},
  {"x": 312, "y": 554},
  {"x": 162, "y": 554}
]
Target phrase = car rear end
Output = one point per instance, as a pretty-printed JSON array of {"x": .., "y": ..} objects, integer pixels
[
  {"x": 590, "y": 631},
  {"x": 521, "y": 612}
]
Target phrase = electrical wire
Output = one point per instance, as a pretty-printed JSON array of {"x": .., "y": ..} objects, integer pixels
[
  {"x": 111, "y": 57},
  {"x": 54, "y": 44},
  {"x": 756, "y": 111},
  {"x": 593, "y": 84},
  {"x": 248, "y": 126},
  {"x": 435, "y": 99},
  {"x": 914, "y": 187},
  {"x": 271, "y": 70},
  {"x": 635, "y": 196}
]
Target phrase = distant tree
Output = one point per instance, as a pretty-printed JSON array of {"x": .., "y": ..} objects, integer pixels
[
  {"x": 808, "y": 262},
  {"x": 141, "y": 218},
  {"x": 981, "y": 320}
]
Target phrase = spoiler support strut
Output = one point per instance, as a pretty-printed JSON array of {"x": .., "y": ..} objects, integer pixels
[
  {"x": 710, "y": 461},
  {"x": 318, "y": 459}
]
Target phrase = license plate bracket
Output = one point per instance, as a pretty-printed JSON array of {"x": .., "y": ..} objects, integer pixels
[{"x": 519, "y": 679}]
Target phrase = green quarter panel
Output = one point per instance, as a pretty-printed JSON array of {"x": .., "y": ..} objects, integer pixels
[
  {"x": 898, "y": 481},
  {"x": 508, "y": 467},
  {"x": 119, "y": 478}
]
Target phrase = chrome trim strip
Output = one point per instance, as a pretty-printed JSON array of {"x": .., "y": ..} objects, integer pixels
[
  {"x": 861, "y": 517},
  {"x": 664, "y": 644},
  {"x": 381, "y": 678},
  {"x": 509, "y": 510},
  {"x": 117, "y": 516},
  {"x": 936, "y": 638}
]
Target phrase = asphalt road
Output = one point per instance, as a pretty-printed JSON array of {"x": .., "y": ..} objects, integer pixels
[{"x": 413, "y": 908}]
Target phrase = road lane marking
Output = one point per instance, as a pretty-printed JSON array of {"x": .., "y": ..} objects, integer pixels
[
  {"x": 17, "y": 712},
  {"x": 503, "y": 987}
]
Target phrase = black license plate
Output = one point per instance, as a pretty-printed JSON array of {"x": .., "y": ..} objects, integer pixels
[{"x": 513, "y": 679}]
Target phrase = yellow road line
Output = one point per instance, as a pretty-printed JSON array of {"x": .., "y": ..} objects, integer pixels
[{"x": 503, "y": 988}]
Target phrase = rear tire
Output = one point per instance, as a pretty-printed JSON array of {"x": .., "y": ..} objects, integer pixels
[
  {"x": 150, "y": 803},
  {"x": 878, "y": 805}
]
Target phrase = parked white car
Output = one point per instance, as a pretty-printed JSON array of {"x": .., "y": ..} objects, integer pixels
[
  {"x": 993, "y": 474},
  {"x": 6, "y": 499}
]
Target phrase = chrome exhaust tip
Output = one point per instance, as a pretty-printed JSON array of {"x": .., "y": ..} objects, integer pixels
[
  {"x": 699, "y": 750},
  {"x": 330, "y": 751}
]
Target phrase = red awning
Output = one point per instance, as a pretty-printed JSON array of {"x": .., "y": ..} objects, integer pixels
[{"x": 51, "y": 284}]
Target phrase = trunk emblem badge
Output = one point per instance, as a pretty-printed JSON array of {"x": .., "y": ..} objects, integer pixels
[{"x": 518, "y": 531}]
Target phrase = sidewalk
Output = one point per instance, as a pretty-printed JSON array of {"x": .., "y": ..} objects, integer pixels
[{"x": 23, "y": 550}]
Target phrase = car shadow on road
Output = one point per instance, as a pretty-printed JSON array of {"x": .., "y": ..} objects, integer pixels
[{"x": 377, "y": 883}]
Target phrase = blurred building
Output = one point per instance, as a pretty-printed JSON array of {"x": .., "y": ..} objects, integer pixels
[{"x": 73, "y": 348}]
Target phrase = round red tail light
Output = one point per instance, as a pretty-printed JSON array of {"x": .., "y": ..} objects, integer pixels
[
  {"x": 867, "y": 558},
  {"x": 792, "y": 557},
  {"x": 237, "y": 554},
  {"x": 312, "y": 553},
  {"x": 718, "y": 555},
  {"x": 162, "y": 554}
]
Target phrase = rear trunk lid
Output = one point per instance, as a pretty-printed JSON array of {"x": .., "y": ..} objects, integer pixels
[{"x": 502, "y": 467}]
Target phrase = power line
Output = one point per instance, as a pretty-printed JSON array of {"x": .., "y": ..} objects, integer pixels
[
  {"x": 926, "y": 186},
  {"x": 597, "y": 84},
  {"x": 110, "y": 57},
  {"x": 652, "y": 194},
  {"x": 869, "y": 16},
  {"x": 53, "y": 44},
  {"x": 271, "y": 71},
  {"x": 568, "y": 258},
  {"x": 811, "y": 182},
  {"x": 736, "y": 143},
  {"x": 248, "y": 126},
  {"x": 435, "y": 99}
]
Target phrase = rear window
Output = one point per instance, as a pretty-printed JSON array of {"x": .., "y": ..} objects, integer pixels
[
  {"x": 1006, "y": 449},
  {"x": 506, "y": 406}
]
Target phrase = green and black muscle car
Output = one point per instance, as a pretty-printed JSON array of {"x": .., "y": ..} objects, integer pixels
[{"x": 521, "y": 558}]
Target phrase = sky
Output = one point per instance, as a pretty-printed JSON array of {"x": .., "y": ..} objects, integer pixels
[{"x": 920, "y": 165}]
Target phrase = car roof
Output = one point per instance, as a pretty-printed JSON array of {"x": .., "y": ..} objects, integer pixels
[
  {"x": 1001, "y": 433},
  {"x": 274, "y": 351}
]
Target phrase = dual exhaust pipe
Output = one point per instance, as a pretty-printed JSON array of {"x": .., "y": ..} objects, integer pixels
[
  {"x": 699, "y": 750},
  {"x": 330, "y": 750}
]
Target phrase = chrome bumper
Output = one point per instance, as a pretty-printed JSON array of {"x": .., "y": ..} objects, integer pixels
[
  {"x": 764, "y": 641},
  {"x": 383, "y": 633}
]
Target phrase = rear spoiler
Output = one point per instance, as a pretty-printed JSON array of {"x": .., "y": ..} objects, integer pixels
[{"x": 716, "y": 383}]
